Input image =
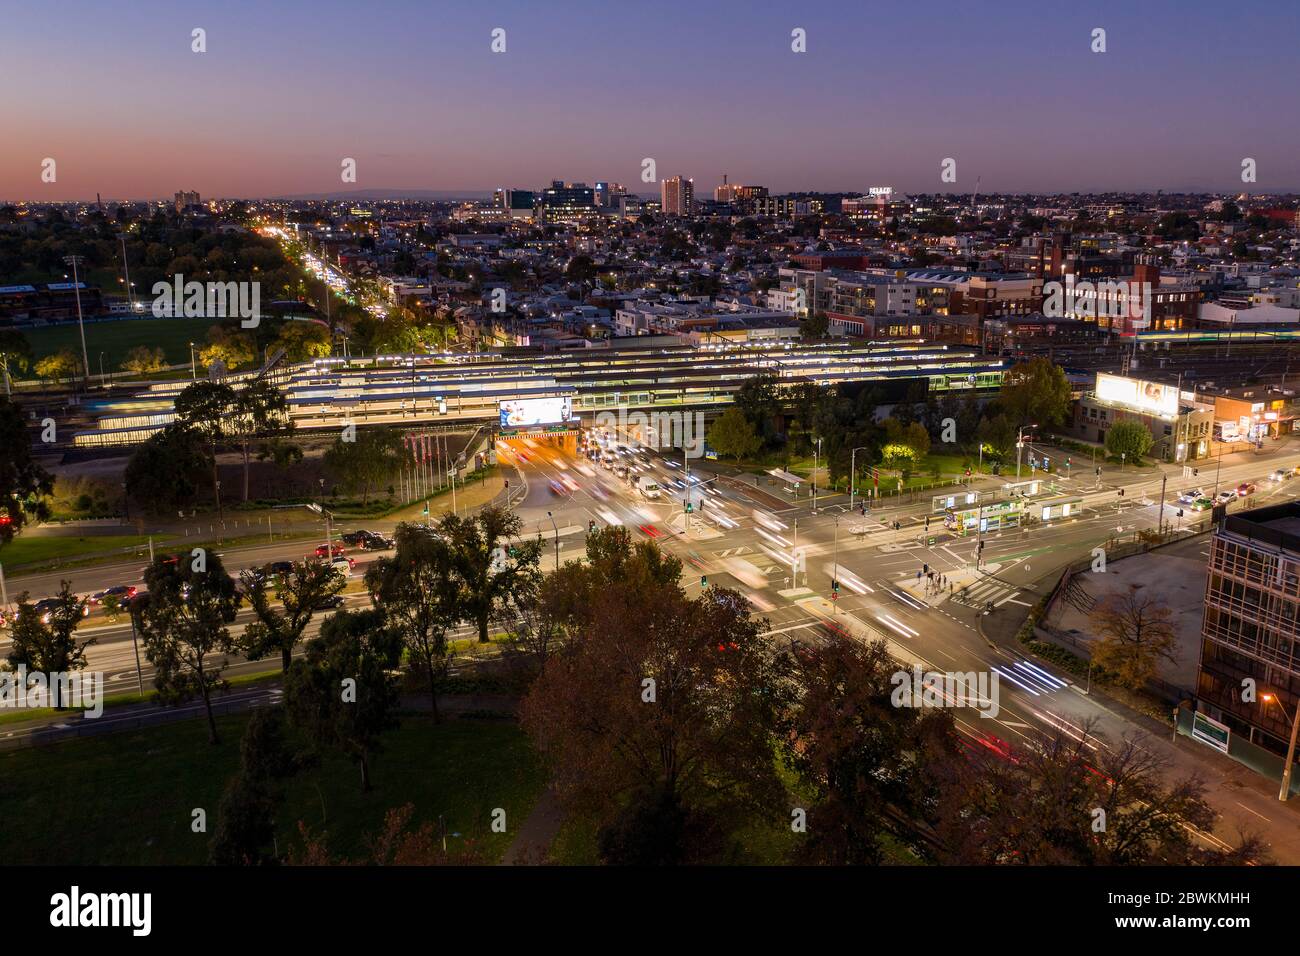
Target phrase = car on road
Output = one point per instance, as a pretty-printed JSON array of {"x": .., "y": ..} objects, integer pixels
[
  {"x": 1281, "y": 474},
  {"x": 1189, "y": 497},
  {"x": 377, "y": 542},
  {"x": 620, "y": 471},
  {"x": 1245, "y": 488},
  {"x": 1224, "y": 497},
  {"x": 556, "y": 487},
  {"x": 1202, "y": 504},
  {"x": 330, "y": 603},
  {"x": 123, "y": 593},
  {"x": 334, "y": 550},
  {"x": 343, "y": 565},
  {"x": 45, "y": 608},
  {"x": 355, "y": 539}
]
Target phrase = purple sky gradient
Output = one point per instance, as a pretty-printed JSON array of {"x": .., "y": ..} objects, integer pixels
[{"x": 585, "y": 90}]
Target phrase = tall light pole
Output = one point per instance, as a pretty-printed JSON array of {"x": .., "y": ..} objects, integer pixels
[
  {"x": 835, "y": 573},
  {"x": 853, "y": 472},
  {"x": 1020, "y": 445},
  {"x": 75, "y": 261},
  {"x": 817, "y": 454},
  {"x": 194, "y": 367},
  {"x": 1285, "y": 792},
  {"x": 126, "y": 269},
  {"x": 557, "y": 540}
]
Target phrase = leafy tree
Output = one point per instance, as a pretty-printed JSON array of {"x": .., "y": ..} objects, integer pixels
[
  {"x": 857, "y": 752},
  {"x": 490, "y": 574},
  {"x": 165, "y": 470},
  {"x": 367, "y": 462},
  {"x": 1038, "y": 806},
  {"x": 1035, "y": 391},
  {"x": 419, "y": 596},
  {"x": 142, "y": 359},
  {"x": 182, "y": 620},
  {"x": 342, "y": 696},
  {"x": 759, "y": 399},
  {"x": 1135, "y": 631},
  {"x": 398, "y": 843},
  {"x": 999, "y": 434},
  {"x": 49, "y": 648},
  {"x": 15, "y": 351},
  {"x": 814, "y": 326},
  {"x": 260, "y": 411},
  {"x": 23, "y": 483},
  {"x": 62, "y": 364},
  {"x": 304, "y": 341},
  {"x": 245, "y": 831},
  {"x": 233, "y": 349},
  {"x": 206, "y": 407},
  {"x": 302, "y": 592},
  {"x": 1128, "y": 439},
  {"x": 680, "y": 708},
  {"x": 733, "y": 434}
]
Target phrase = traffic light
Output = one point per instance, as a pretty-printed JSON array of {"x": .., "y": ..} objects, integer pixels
[
  {"x": 591, "y": 527},
  {"x": 507, "y": 484},
  {"x": 835, "y": 587},
  {"x": 1179, "y": 513},
  {"x": 1097, "y": 470},
  {"x": 704, "y": 580},
  {"x": 925, "y": 569},
  {"x": 687, "y": 507},
  {"x": 1121, "y": 492},
  {"x": 1195, "y": 472}
]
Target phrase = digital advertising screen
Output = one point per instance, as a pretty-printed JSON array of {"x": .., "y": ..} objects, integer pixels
[{"x": 531, "y": 412}]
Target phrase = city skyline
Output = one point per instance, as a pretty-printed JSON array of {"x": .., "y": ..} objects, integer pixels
[{"x": 280, "y": 98}]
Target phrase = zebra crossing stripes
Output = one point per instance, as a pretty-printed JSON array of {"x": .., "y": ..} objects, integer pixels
[
  {"x": 986, "y": 591},
  {"x": 1029, "y": 677}
]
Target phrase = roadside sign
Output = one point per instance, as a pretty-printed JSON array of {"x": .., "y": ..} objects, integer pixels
[{"x": 1209, "y": 731}]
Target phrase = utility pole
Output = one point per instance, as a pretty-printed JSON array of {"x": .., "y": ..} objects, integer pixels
[
  {"x": 816, "y": 461},
  {"x": 75, "y": 261},
  {"x": 1160, "y": 523},
  {"x": 557, "y": 540}
]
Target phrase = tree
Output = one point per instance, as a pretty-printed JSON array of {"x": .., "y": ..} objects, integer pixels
[
  {"x": 1135, "y": 631},
  {"x": 814, "y": 326},
  {"x": 759, "y": 399},
  {"x": 165, "y": 470},
  {"x": 1128, "y": 439},
  {"x": 15, "y": 351},
  {"x": 677, "y": 712},
  {"x": 206, "y": 407},
  {"x": 417, "y": 592},
  {"x": 367, "y": 461},
  {"x": 49, "y": 648},
  {"x": 342, "y": 695},
  {"x": 229, "y": 347},
  {"x": 491, "y": 575},
  {"x": 182, "y": 620},
  {"x": 733, "y": 434},
  {"x": 260, "y": 411},
  {"x": 398, "y": 843},
  {"x": 142, "y": 359},
  {"x": 1075, "y": 799},
  {"x": 23, "y": 482},
  {"x": 1036, "y": 391},
  {"x": 861, "y": 756},
  {"x": 999, "y": 434},
  {"x": 62, "y": 364},
  {"x": 245, "y": 831},
  {"x": 304, "y": 341},
  {"x": 303, "y": 591}
]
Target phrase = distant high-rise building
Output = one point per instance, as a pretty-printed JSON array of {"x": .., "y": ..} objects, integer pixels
[
  {"x": 734, "y": 192},
  {"x": 186, "y": 199},
  {"x": 566, "y": 202},
  {"x": 677, "y": 196}
]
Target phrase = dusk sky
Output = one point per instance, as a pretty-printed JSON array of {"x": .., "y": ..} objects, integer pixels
[{"x": 411, "y": 90}]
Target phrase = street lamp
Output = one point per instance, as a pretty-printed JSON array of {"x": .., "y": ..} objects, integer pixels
[
  {"x": 853, "y": 473},
  {"x": 1285, "y": 792},
  {"x": 835, "y": 572},
  {"x": 1020, "y": 444},
  {"x": 816, "y": 459},
  {"x": 75, "y": 261},
  {"x": 194, "y": 368},
  {"x": 557, "y": 540}
]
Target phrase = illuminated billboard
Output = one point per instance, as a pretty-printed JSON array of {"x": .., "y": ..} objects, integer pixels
[
  {"x": 1150, "y": 397},
  {"x": 530, "y": 412}
]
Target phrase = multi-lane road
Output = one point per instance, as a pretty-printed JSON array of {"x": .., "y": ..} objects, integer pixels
[{"x": 746, "y": 535}]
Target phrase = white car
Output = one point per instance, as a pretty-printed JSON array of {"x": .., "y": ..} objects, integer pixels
[
  {"x": 343, "y": 566},
  {"x": 1188, "y": 497}
]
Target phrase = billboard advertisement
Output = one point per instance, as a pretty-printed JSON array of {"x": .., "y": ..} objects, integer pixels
[
  {"x": 1150, "y": 397},
  {"x": 531, "y": 412}
]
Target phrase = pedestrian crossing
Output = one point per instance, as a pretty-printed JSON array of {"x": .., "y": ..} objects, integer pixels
[
  {"x": 1030, "y": 677},
  {"x": 988, "y": 591}
]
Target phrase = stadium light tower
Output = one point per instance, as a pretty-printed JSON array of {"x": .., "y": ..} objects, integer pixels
[{"x": 75, "y": 261}]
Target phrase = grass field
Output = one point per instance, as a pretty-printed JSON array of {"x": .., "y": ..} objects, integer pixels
[
  {"x": 129, "y": 798},
  {"x": 32, "y": 550},
  {"x": 116, "y": 338}
]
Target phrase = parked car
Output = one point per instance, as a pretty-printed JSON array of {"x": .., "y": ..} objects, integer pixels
[
  {"x": 334, "y": 550},
  {"x": 1245, "y": 488}
]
